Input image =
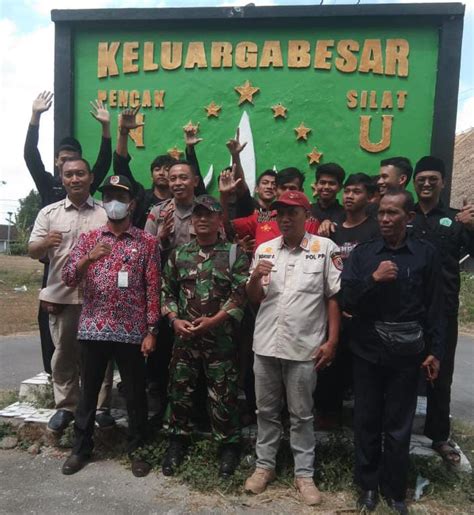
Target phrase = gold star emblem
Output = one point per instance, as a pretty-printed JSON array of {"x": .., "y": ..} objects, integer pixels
[
  {"x": 266, "y": 228},
  {"x": 314, "y": 156},
  {"x": 189, "y": 127},
  {"x": 246, "y": 92},
  {"x": 302, "y": 131},
  {"x": 174, "y": 152},
  {"x": 279, "y": 110},
  {"x": 212, "y": 109}
]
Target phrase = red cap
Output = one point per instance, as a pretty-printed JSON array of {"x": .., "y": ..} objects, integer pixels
[{"x": 292, "y": 198}]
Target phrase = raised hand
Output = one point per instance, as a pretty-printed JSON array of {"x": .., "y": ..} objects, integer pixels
[
  {"x": 234, "y": 145},
  {"x": 53, "y": 239},
  {"x": 166, "y": 228},
  {"x": 42, "y": 102},
  {"x": 100, "y": 250},
  {"x": 128, "y": 119},
  {"x": 227, "y": 182},
  {"x": 99, "y": 112},
  {"x": 190, "y": 135},
  {"x": 466, "y": 215}
]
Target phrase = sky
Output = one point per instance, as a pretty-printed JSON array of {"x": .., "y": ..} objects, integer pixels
[{"x": 27, "y": 62}]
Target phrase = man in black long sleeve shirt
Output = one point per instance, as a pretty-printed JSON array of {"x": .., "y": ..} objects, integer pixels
[
  {"x": 452, "y": 233},
  {"x": 50, "y": 187},
  {"x": 391, "y": 279}
]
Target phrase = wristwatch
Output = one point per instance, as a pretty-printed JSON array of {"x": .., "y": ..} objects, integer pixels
[
  {"x": 171, "y": 321},
  {"x": 153, "y": 329}
]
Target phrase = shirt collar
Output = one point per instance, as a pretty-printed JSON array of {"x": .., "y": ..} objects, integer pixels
[
  {"x": 89, "y": 202},
  {"x": 439, "y": 208},
  {"x": 408, "y": 243},
  {"x": 304, "y": 243},
  {"x": 131, "y": 231}
]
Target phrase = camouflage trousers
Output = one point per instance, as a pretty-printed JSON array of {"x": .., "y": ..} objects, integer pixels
[{"x": 220, "y": 369}]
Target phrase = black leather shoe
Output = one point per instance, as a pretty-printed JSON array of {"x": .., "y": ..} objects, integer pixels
[
  {"x": 173, "y": 457},
  {"x": 368, "y": 500},
  {"x": 140, "y": 468},
  {"x": 74, "y": 464},
  {"x": 60, "y": 420},
  {"x": 104, "y": 420},
  {"x": 230, "y": 457},
  {"x": 398, "y": 506}
]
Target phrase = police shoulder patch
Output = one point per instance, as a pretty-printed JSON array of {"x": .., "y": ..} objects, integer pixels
[{"x": 336, "y": 259}]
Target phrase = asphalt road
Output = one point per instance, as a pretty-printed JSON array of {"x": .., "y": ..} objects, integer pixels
[{"x": 20, "y": 358}]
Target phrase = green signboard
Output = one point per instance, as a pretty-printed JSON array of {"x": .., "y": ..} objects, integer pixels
[{"x": 301, "y": 90}]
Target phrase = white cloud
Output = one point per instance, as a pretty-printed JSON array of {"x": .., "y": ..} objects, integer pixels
[
  {"x": 465, "y": 118},
  {"x": 27, "y": 69}
]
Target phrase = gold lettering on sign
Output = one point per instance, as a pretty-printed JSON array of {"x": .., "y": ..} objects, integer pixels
[
  {"x": 113, "y": 98},
  {"x": 159, "y": 98},
  {"x": 246, "y": 54},
  {"x": 371, "y": 59},
  {"x": 373, "y": 100},
  {"x": 146, "y": 98},
  {"x": 106, "y": 64},
  {"x": 122, "y": 98},
  {"x": 221, "y": 54},
  {"x": 364, "y": 133},
  {"x": 102, "y": 95},
  {"x": 171, "y": 55},
  {"x": 149, "y": 64},
  {"x": 387, "y": 100},
  {"x": 134, "y": 98},
  {"x": 130, "y": 57},
  {"x": 401, "y": 97},
  {"x": 363, "y": 99},
  {"x": 351, "y": 99},
  {"x": 396, "y": 57},
  {"x": 137, "y": 134},
  {"x": 322, "y": 54},
  {"x": 347, "y": 62},
  {"x": 299, "y": 54},
  {"x": 196, "y": 56},
  {"x": 271, "y": 55}
]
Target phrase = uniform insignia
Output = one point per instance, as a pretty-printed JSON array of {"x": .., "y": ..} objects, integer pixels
[
  {"x": 268, "y": 250},
  {"x": 447, "y": 222},
  {"x": 115, "y": 179},
  {"x": 266, "y": 228},
  {"x": 304, "y": 243},
  {"x": 151, "y": 216},
  {"x": 337, "y": 260},
  {"x": 315, "y": 246}
]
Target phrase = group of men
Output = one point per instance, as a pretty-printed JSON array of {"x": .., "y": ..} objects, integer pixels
[{"x": 292, "y": 301}]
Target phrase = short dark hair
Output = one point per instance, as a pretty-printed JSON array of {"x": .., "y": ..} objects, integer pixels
[
  {"x": 408, "y": 201},
  {"x": 163, "y": 160},
  {"x": 402, "y": 164},
  {"x": 361, "y": 178},
  {"x": 69, "y": 144},
  {"x": 332, "y": 169},
  {"x": 269, "y": 172},
  {"x": 184, "y": 162},
  {"x": 72, "y": 159},
  {"x": 289, "y": 175}
]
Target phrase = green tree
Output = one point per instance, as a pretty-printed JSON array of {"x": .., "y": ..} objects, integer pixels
[{"x": 24, "y": 220}]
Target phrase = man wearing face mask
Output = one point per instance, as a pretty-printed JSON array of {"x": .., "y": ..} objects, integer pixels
[
  {"x": 56, "y": 231},
  {"x": 118, "y": 266}
]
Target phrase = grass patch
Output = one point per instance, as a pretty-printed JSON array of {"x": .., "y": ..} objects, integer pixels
[
  {"x": 8, "y": 397},
  {"x": 466, "y": 302}
]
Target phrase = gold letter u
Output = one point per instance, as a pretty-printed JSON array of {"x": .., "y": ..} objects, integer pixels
[{"x": 364, "y": 140}]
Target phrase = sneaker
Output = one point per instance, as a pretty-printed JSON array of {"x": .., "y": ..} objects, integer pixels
[
  {"x": 308, "y": 491},
  {"x": 259, "y": 480},
  {"x": 104, "y": 420},
  {"x": 60, "y": 420}
]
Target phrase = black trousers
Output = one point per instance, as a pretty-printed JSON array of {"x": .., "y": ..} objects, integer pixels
[
  {"x": 131, "y": 364},
  {"x": 157, "y": 365},
  {"x": 47, "y": 345},
  {"x": 385, "y": 404},
  {"x": 437, "y": 424}
]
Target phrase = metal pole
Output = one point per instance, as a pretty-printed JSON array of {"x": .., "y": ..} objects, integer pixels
[{"x": 10, "y": 213}]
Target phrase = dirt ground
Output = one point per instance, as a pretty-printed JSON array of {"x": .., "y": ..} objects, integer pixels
[{"x": 18, "y": 309}]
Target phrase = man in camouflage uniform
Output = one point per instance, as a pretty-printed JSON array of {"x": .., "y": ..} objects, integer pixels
[{"x": 203, "y": 294}]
